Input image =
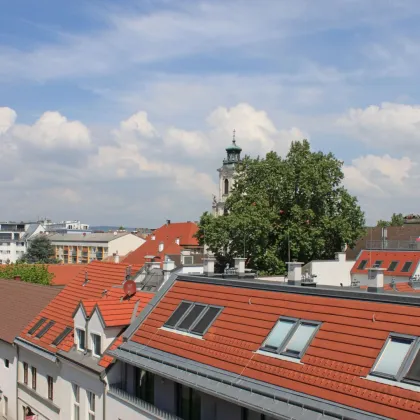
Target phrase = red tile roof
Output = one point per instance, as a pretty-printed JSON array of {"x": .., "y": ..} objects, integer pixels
[
  {"x": 167, "y": 234},
  {"x": 342, "y": 352},
  {"x": 102, "y": 276},
  {"x": 64, "y": 273},
  {"x": 20, "y": 303},
  {"x": 387, "y": 257}
]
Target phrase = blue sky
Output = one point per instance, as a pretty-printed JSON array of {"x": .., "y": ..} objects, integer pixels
[{"x": 119, "y": 112}]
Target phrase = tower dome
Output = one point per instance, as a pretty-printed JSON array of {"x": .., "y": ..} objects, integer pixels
[{"x": 233, "y": 152}]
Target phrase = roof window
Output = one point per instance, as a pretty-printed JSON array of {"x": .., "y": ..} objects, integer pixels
[
  {"x": 62, "y": 336},
  {"x": 43, "y": 330},
  {"x": 377, "y": 264},
  {"x": 290, "y": 337},
  {"x": 193, "y": 318},
  {"x": 37, "y": 325},
  {"x": 393, "y": 265},
  {"x": 362, "y": 265},
  {"x": 406, "y": 267}
]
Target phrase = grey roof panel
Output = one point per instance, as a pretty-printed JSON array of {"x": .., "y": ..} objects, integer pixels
[{"x": 89, "y": 237}]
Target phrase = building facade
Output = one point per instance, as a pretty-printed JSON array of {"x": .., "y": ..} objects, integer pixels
[
  {"x": 66, "y": 226},
  {"x": 226, "y": 177}
]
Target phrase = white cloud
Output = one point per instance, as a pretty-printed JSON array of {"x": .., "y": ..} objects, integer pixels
[
  {"x": 139, "y": 123},
  {"x": 389, "y": 125},
  {"x": 194, "y": 143},
  {"x": 54, "y": 131},
  {"x": 7, "y": 119}
]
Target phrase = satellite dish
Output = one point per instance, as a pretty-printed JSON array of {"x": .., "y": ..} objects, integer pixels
[{"x": 130, "y": 288}]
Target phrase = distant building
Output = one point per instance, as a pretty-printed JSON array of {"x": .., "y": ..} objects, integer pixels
[
  {"x": 82, "y": 248},
  {"x": 14, "y": 239},
  {"x": 226, "y": 177},
  {"x": 67, "y": 226}
]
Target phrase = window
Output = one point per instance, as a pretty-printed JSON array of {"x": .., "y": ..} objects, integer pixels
[
  {"x": 393, "y": 356},
  {"x": 194, "y": 318},
  {"x": 5, "y": 406},
  {"x": 50, "y": 388},
  {"x": 290, "y": 337},
  {"x": 226, "y": 186},
  {"x": 62, "y": 336},
  {"x": 36, "y": 326},
  {"x": 91, "y": 405},
  {"x": 81, "y": 342},
  {"x": 25, "y": 373},
  {"x": 6, "y": 363},
  {"x": 76, "y": 402},
  {"x": 406, "y": 267},
  {"x": 188, "y": 403},
  {"x": 362, "y": 265},
  {"x": 393, "y": 266},
  {"x": 377, "y": 264},
  {"x": 43, "y": 330},
  {"x": 96, "y": 345},
  {"x": 145, "y": 384},
  {"x": 33, "y": 371}
]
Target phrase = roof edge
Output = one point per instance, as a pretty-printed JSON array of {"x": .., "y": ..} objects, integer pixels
[{"x": 36, "y": 349}]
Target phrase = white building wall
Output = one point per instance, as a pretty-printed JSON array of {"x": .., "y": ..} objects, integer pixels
[
  {"x": 8, "y": 379},
  {"x": 108, "y": 335},
  {"x": 125, "y": 244}
]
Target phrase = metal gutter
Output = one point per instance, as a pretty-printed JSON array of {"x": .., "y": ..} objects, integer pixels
[{"x": 36, "y": 349}]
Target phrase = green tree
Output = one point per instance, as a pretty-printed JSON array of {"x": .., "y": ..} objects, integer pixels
[
  {"x": 40, "y": 250},
  {"x": 31, "y": 273},
  {"x": 397, "y": 219},
  {"x": 295, "y": 205}
]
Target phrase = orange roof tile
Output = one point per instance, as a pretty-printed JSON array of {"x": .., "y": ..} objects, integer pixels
[
  {"x": 387, "y": 257},
  {"x": 167, "y": 234},
  {"x": 64, "y": 273},
  {"x": 342, "y": 352},
  {"x": 102, "y": 276}
]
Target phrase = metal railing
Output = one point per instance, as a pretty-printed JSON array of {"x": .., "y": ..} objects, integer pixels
[
  {"x": 118, "y": 390},
  {"x": 393, "y": 244}
]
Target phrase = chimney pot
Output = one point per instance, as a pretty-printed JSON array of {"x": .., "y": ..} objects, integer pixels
[{"x": 116, "y": 258}]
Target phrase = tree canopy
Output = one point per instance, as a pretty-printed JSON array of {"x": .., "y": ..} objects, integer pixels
[
  {"x": 294, "y": 206},
  {"x": 397, "y": 219},
  {"x": 40, "y": 250},
  {"x": 31, "y": 273}
]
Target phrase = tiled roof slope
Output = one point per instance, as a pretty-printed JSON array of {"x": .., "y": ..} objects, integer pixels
[
  {"x": 167, "y": 234},
  {"x": 64, "y": 273},
  {"x": 20, "y": 303},
  {"x": 102, "y": 276},
  {"x": 402, "y": 287},
  {"x": 387, "y": 257},
  {"x": 342, "y": 352}
]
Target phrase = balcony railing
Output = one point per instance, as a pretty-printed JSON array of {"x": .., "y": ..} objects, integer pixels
[
  {"x": 118, "y": 391},
  {"x": 393, "y": 244}
]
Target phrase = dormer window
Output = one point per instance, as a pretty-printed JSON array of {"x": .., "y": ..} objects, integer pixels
[
  {"x": 81, "y": 339},
  {"x": 96, "y": 345}
]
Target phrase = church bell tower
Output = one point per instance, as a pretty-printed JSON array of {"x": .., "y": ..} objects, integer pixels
[{"x": 226, "y": 176}]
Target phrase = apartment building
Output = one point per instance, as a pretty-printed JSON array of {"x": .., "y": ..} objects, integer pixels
[
  {"x": 20, "y": 303},
  {"x": 82, "y": 248},
  {"x": 66, "y": 226}
]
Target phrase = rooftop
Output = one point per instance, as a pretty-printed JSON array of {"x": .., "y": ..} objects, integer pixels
[
  {"x": 64, "y": 273},
  {"x": 319, "y": 345},
  {"x": 89, "y": 237},
  {"x": 21, "y": 302}
]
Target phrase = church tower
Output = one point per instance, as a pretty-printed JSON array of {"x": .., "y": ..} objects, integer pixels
[{"x": 226, "y": 176}]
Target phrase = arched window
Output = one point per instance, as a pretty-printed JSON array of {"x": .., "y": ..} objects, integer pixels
[{"x": 226, "y": 186}]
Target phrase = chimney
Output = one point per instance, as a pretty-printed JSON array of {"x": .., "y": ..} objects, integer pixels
[
  {"x": 208, "y": 265},
  {"x": 240, "y": 265},
  {"x": 168, "y": 222},
  {"x": 161, "y": 245},
  {"x": 168, "y": 264},
  {"x": 340, "y": 256},
  {"x": 17, "y": 278},
  {"x": 294, "y": 272},
  {"x": 116, "y": 258},
  {"x": 375, "y": 279}
]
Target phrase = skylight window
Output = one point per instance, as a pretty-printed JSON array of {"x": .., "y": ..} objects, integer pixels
[
  {"x": 290, "y": 337},
  {"x": 406, "y": 267},
  {"x": 193, "y": 318},
  {"x": 62, "y": 336},
  {"x": 43, "y": 330},
  {"x": 393, "y": 265},
  {"x": 362, "y": 265},
  {"x": 378, "y": 264},
  {"x": 37, "y": 325}
]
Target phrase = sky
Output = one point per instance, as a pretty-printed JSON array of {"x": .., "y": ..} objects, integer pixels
[{"x": 119, "y": 112}]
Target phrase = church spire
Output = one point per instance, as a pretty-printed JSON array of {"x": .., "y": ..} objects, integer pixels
[{"x": 233, "y": 152}]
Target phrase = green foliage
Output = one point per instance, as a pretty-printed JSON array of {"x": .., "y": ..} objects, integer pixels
[
  {"x": 31, "y": 273},
  {"x": 397, "y": 219},
  {"x": 40, "y": 251},
  {"x": 277, "y": 203}
]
